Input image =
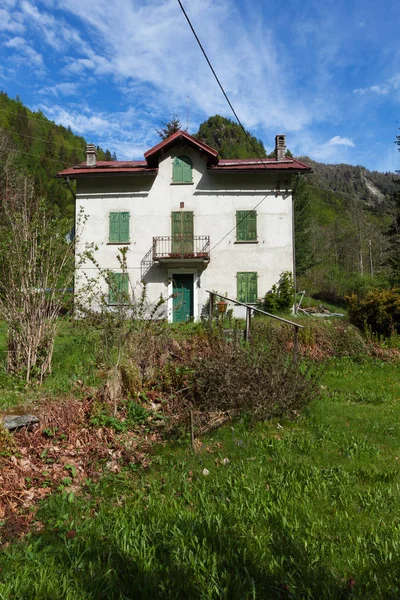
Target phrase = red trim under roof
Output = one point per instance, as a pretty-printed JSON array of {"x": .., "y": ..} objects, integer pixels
[{"x": 180, "y": 136}]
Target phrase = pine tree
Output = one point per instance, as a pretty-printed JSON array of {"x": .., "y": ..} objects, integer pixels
[{"x": 169, "y": 128}]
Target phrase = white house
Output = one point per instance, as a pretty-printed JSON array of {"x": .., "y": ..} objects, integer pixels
[{"x": 190, "y": 221}]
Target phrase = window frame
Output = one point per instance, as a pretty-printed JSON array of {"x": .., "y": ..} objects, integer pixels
[
  {"x": 125, "y": 237},
  {"x": 248, "y": 277},
  {"x": 122, "y": 289},
  {"x": 242, "y": 224},
  {"x": 186, "y": 160}
]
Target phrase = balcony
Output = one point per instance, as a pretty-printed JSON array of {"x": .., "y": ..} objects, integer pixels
[
  {"x": 181, "y": 247},
  {"x": 177, "y": 248}
]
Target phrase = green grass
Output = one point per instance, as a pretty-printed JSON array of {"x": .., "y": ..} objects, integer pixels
[
  {"x": 301, "y": 508},
  {"x": 73, "y": 361}
]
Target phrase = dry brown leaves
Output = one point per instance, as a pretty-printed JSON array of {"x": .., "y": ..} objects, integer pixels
[{"x": 61, "y": 450}]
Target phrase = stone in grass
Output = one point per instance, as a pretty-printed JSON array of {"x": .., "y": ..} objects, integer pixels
[{"x": 13, "y": 422}]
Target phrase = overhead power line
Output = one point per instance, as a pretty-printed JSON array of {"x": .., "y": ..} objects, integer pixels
[
  {"x": 236, "y": 116},
  {"x": 32, "y": 137},
  {"x": 46, "y": 120}
]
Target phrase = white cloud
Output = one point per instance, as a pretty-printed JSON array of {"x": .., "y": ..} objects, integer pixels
[
  {"x": 78, "y": 121},
  {"x": 16, "y": 42},
  {"x": 53, "y": 30},
  {"x": 148, "y": 45},
  {"x": 337, "y": 140},
  {"x": 25, "y": 53},
  {"x": 335, "y": 150},
  {"x": 381, "y": 89},
  {"x": 60, "y": 89},
  {"x": 109, "y": 130},
  {"x": 10, "y": 22}
]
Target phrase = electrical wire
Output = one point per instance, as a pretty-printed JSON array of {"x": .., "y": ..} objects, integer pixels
[
  {"x": 32, "y": 137},
  {"x": 236, "y": 116}
]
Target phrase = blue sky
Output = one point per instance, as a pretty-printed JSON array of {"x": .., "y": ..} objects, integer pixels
[{"x": 326, "y": 73}]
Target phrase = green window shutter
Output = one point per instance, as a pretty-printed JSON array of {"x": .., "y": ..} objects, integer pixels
[
  {"x": 118, "y": 291},
  {"x": 252, "y": 288},
  {"x": 252, "y": 226},
  {"x": 247, "y": 287},
  {"x": 123, "y": 227},
  {"x": 182, "y": 168},
  {"x": 112, "y": 288},
  {"x": 119, "y": 227},
  {"x": 177, "y": 171},
  {"x": 241, "y": 225},
  {"x": 114, "y": 227},
  {"x": 176, "y": 223},
  {"x": 241, "y": 286},
  {"x": 186, "y": 172},
  {"x": 124, "y": 287},
  {"x": 246, "y": 226},
  {"x": 188, "y": 223}
]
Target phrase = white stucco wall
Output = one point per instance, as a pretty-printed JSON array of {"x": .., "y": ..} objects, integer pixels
[{"x": 214, "y": 199}]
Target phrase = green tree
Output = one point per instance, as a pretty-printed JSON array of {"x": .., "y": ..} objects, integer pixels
[
  {"x": 393, "y": 234},
  {"x": 229, "y": 139},
  {"x": 305, "y": 258},
  {"x": 169, "y": 128}
]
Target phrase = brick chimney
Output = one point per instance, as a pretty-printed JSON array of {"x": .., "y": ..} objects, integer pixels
[
  {"x": 280, "y": 147},
  {"x": 91, "y": 155}
]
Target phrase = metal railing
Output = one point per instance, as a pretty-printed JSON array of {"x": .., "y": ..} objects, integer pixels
[
  {"x": 249, "y": 308},
  {"x": 181, "y": 246}
]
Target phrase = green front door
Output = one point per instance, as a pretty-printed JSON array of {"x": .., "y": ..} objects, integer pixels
[
  {"x": 182, "y": 232},
  {"x": 182, "y": 290}
]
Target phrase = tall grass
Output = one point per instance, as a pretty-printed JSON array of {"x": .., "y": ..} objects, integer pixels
[{"x": 303, "y": 509}]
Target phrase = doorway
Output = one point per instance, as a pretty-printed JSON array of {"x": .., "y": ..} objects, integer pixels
[{"x": 182, "y": 291}]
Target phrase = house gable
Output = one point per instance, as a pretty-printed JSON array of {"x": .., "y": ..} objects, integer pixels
[{"x": 153, "y": 155}]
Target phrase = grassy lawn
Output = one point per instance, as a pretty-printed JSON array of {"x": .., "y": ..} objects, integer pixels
[
  {"x": 73, "y": 360},
  {"x": 304, "y": 509}
]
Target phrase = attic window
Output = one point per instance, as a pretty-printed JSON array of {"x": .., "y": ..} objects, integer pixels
[{"x": 182, "y": 168}]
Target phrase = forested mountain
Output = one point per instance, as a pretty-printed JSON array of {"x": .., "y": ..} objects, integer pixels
[
  {"x": 42, "y": 148},
  {"x": 228, "y": 138},
  {"x": 373, "y": 187}
]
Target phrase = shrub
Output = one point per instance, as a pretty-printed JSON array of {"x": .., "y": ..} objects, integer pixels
[
  {"x": 332, "y": 284},
  {"x": 280, "y": 298},
  {"x": 257, "y": 379},
  {"x": 378, "y": 313}
]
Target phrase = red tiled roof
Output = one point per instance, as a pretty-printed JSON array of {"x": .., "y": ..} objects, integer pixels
[
  {"x": 256, "y": 164},
  {"x": 152, "y": 155},
  {"x": 109, "y": 167},
  {"x": 150, "y": 165}
]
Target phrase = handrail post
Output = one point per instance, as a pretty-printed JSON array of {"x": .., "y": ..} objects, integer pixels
[
  {"x": 248, "y": 321},
  {"x": 211, "y": 308},
  {"x": 295, "y": 343}
]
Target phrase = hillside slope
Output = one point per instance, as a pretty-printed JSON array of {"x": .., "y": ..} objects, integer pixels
[
  {"x": 374, "y": 188},
  {"x": 43, "y": 148}
]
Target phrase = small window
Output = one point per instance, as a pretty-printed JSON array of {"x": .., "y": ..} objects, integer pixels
[
  {"x": 118, "y": 289},
  {"x": 247, "y": 287},
  {"x": 182, "y": 170},
  {"x": 119, "y": 227},
  {"x": 246, "y": 226}
]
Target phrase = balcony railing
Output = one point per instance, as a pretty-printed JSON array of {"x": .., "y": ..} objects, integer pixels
[{"x": 186, "y": 247}]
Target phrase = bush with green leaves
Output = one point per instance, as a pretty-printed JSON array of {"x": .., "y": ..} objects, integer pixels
[
  {"x": 378, "y": 313},
  {"x": 280, "y": 298}
]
